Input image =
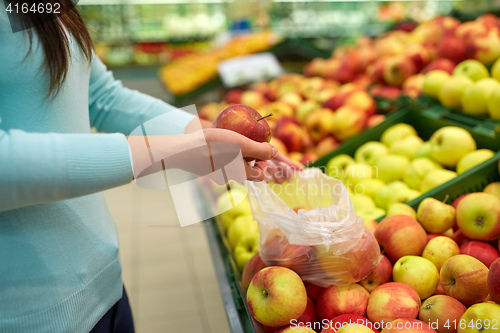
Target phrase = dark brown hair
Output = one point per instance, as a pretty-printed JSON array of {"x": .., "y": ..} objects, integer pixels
[{"x": 54, "y": 40}]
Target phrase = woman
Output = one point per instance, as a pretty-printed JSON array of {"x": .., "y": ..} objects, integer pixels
[{"x": 60, "y": 269}]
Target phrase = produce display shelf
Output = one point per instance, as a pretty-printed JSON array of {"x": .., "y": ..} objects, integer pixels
[
  {"x": 425, "y": 122},
  {"x": 300, "y": 48}
]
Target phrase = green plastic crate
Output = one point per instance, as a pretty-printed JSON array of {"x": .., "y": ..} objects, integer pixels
[{"x": 426, "y": 123}]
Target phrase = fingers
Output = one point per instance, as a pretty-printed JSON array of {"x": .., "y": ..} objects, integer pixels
[
  {"x": 289, "y": 162},
  {"x": 257, "y": 172}
]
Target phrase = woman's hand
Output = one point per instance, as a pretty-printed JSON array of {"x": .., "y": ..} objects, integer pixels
[{"x": 281, "y": 168}]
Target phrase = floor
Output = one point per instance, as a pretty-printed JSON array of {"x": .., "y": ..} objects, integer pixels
[{"x": 167, "y": 270}]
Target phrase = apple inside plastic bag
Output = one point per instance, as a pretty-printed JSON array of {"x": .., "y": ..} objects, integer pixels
[{"x": 326, "y": 245}]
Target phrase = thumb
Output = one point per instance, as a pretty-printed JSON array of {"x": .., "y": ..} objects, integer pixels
[{"x": 258, "y": 150}]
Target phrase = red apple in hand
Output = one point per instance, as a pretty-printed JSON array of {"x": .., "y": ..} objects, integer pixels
[{"x": 245, "y": 121}]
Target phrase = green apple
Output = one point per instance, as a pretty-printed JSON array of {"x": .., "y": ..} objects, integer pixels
[
  {"x": 337, "y": 166},
  {"x": 493, "y": 188},
  {"x": 473, "y": 159},
  {"x": 417, "y": 170},
  {"x": 452, "y": 91},
  {"x": 494, "y": 104},
  {"x": 368, "y": 186},
  {"x": 391, "y": 167},
  {"x": 435, "y": 216},
  {"x": 476, "y": 97},
  {"x": 495, "y": 70},
  {"x": 370, "y": 214},
  {"x": 472, "y": 69},
  {"x": 407, "y": 147},
  {"x": 356, "y": 172},
  {"x": 361, "y": 201},
  {"x": 400, "y": 208},
  {"x": 435, "y": 178},
  {"x": 478, "y": 216},
  {"x": 433, "y": 81},
  {"x": 403, "y": 196},
  {"x": 450, "y": 144},
  {"x": 417, "y": 272},
  {"x": 243, "y": 225},
  {"x": 276, "y": 295},
  {"x": 370, "y": 152},
  {"x": 480, "y": 318},
  {"x": 396, "y": 133},
  {"x": 439, "y": 249},
  {"x": 424, "y": 150},
  {"x": 385, "y": 192},
  {"x": 232, "y": 204},
  {"x": 247, "y": 246}
]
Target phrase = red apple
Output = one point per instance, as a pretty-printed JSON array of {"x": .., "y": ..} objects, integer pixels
[
  {"x": 319, "y": 124},
  {"x": 382, "y": 274},
  {"x": 313, "y": 291},
  {"x": 440, "y": 309},
  {"x": 391, "y": 301},
  {"x": 348, "y": 121},
  {"x": 443, "y": 64},
  {"x": 431, "y": 236},
  {"x": 362, "y": 100},
  {"x": 233, "y": 96},
  {"x": 457, "y": 200},
  {"x": 494, "y": 281},
  {"x": 398, "y": 69},
  {"x": 341, "y": 73},
  {"x": 478, "y": 216},
  {"x": 277, "y": 251},
  {"x": 460, "y": 238},
  {"x": 387, "y": 92},
  {"x": 276, "y": 296},
  {"x": 451, "y": 48},
  {"x": 376, "y": 71},
  {"x": 375, "y": 120},
  {"x": 439, "y": 290},
  {"x": 254, "y": 265},
  {"x": 408, "y": 326},
  {"x": 289, "y": 131},
  {"x": 334, "y": 324},
  {"x": 326, "y": 146},
  {"x": 483, "y": 252},
  {"x": 401, "y": 235},
  {"x": 335, "y": 102},
  {"x": 464, "y": 278},
  {"x": 245, "y": 121},
  {"x": 338, "y": 300},
  {"x": 484, "y": 46},
  {"x": 419, "y": 56}
]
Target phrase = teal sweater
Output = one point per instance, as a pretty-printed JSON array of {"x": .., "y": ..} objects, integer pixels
[{"x": 59, "y": 262}]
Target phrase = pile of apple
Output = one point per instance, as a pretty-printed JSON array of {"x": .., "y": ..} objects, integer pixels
[
  {"x": 310, "y": 116},
  {"x": 469, "y": 88},
  {"x": 396, "y": 61},
  {"x": 450, "y": 282},
  {"x": 401, "y": 167}
]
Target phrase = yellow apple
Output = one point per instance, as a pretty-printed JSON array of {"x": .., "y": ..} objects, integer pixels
[
  {"x": 337, "y": 166},
  {"x": 472, "y": 69},
  {"x": 241, "y": 226},
  {"x": 436, "y": 178},
  {"x": 407, "y": 147},
  {"x": 433, "y": 81},
  {"x": 417, "y": 170},
  {"x": 370, "y": 152},
  {"x": 391, "y": 167},
  {"x": 370, "y": 214},
  {"x": 360, "y": 202},
  {"x": 493, "y": 188},
  {"x": 495, "y": 70},
  {"x": 396, "y": 133},
  {"x": 384, "y": 193},
  {"x": 435, "y": 216},
  {"x": 368, "y": 186},
  {"x": 440, "y": 249},
  {"x": 400, "y": 208},
  {"x": 417, "y": 272},
  {"x": 452, "y": 91},
  {"x": 473, "y": 159},
  {"x": 450, "y": 144},
  {"x": 476, "y": 96},
  {"x": 480, "y": 318},
  {"x": 403, "y": 196},
  {"x": 355, "y": 172},
  {"x": 423, "y": 151},
  {"x": 247, "y": 246},
  {"x": 494, "y": 104},
  {"x": 232, "y": 204}
]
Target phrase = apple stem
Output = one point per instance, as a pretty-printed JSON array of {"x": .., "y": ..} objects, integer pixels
[
  {"x": 446, "y": 198},
  {"x": 264, "y": 292},
  {"x": 269, "y": 115}
]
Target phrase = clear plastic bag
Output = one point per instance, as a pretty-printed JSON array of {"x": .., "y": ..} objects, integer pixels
[{"x": 326, "y": 243}]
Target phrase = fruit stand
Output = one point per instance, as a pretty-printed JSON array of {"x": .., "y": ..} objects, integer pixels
[{"x": 435, "y": 162}]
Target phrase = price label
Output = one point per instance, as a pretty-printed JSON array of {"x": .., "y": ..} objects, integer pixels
[{"x": 248, "y": 69}]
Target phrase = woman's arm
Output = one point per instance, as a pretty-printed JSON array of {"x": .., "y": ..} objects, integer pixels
[{"x": 37, "y": 168}]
